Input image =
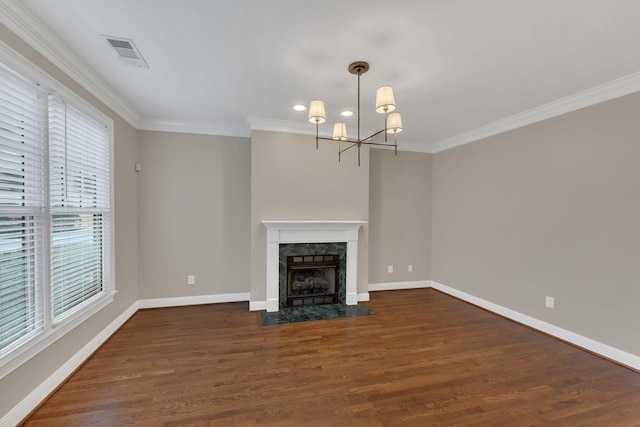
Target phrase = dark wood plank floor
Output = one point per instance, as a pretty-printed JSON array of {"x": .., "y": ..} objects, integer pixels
[{"x": 424, "y": 359}]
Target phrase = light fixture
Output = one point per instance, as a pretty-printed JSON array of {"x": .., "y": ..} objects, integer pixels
[
  {"x": 299, "y": 107},
  {"x": 385, "y": 104}
]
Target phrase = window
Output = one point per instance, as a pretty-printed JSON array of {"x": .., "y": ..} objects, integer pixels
[
  {"x": 22, "y": 120},
  {"x": 54, "y": 212},
  {"x": 79, "y": 206}
]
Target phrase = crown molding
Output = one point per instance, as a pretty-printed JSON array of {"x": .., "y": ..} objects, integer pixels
[
  {"x": 409, "y": 146},
  {"x": 287, "y": 126},
  {"x": 304, "y": 128},
  {"x": 17, "y": 18},
  {"x": 614, "y": 89},
  {"x": 203, "y": 128}
]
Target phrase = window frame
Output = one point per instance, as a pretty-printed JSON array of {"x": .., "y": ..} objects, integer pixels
[{"x": 53, "y": 331}]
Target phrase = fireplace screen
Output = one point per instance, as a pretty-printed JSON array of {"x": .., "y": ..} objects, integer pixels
[{"x": 312, "y": 280}]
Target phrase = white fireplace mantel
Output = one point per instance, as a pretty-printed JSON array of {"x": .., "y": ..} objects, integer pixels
[{"x": 311, "y": 232}]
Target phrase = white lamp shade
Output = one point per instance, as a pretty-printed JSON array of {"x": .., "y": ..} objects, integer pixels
[
  {"x": 340, "y": 131},
  {"x": 316, "y": 112},
  {"x": 394, "y": 123},
  {"x": 385, "y": 102}
]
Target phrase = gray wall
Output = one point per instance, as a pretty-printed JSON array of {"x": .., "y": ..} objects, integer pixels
[
  {"x": 399, "y": 216},
  {"x": 22, "y": 381},
  {"x": 194, "y": 207},
  {"x": 549, "y": 209},
  {"x": 291, "y": 180}
]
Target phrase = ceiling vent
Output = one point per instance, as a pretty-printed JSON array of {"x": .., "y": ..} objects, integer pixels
[{"x": 127, "y": 51}]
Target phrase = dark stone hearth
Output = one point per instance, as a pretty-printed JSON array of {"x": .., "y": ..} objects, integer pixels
[{"x": 314, "y": 312}]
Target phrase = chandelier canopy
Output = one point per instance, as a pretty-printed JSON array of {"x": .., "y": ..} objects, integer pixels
[{"x": 385, "y": 104}]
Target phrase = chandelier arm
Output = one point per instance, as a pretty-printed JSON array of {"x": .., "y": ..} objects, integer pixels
[
  {"x": 382, "y": 144},
  {"x": 364, "y": 141},
  {"x": 348, "y": 141},
  {"x": 348, "y": 148},
  {"x": 386, "y": 104}
]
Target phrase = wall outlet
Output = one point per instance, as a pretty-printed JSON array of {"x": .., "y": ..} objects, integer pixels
[
  {"x": 390, "y": 269},
  {"x": 191, "y": 280},
  {"x": 410, "y": 268},
  {"x": 549, "y": 302}
]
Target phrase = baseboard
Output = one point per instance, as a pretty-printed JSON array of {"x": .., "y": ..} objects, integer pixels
[
  {"x": 363, "y": 297},
  {"x": 394, "y": 286},
  {"x": 29, "y": 403},
  {"x": 194, "y": 300},
  {"x": 604, "y": 350},
  {"x": 37, "y": 396},
  {"x": 257, "y": 305}
]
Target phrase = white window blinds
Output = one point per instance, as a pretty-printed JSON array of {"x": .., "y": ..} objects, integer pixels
[
  {"x": 55, "y": 215},
  {"x": 79, "y": 200},
  {"x": 22, "y": 202}
]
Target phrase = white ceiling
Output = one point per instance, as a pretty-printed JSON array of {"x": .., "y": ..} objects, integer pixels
[{"x": 460, "y": 69}]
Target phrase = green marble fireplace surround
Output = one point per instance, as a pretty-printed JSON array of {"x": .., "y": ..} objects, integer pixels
[
  {"x": 301, "y": 249},
  {"x": 285, "y": 238}
]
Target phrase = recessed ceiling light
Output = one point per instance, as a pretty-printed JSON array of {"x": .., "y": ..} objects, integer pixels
[
  {"x": 346, "y": 113},
  {"x": 299, "y": 107}
]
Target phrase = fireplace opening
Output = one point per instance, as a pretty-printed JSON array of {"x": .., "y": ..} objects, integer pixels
[{"x": 312, "y": 280}]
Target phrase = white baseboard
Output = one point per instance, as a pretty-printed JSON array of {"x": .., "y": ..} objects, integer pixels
[
  {"x": 596, "y": 347},
  {"x": 193, "y": 300},
  {"x": 394, "y": 286},
  {"x": 257, "y": 305},
  {"x": 29, "y": 403}
]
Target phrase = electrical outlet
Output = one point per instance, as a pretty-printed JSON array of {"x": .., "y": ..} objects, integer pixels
[
  {"x": 191, "y": 280},
  {"x": 390, "y": 269},
  {"x": 410, "y": 268},
  {"x": 549, "y": 302}
]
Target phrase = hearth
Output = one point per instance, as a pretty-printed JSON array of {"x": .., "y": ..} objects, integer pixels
[{"x": 312, "y": 280}]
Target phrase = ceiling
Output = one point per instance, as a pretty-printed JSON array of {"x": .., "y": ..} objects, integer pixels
[{"x": 460, "y": 69}]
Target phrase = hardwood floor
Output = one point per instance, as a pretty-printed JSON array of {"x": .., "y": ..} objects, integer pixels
[{"x": 424, "y": 359}]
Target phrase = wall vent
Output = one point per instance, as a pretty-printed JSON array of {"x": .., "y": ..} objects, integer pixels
[{"x": 126, "y": 51}]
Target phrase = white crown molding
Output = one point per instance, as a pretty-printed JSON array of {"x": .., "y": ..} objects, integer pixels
[
  {"x": 305, "y": 128},
  {"x": 25, "y": 25},
  {"x": 17, "y": 17},
  {"x": 287, "y": 126},
  {"x": 406, "y": 146},
  {"x": 203, "y": 128},
  {"x": 604, "y": 92}
]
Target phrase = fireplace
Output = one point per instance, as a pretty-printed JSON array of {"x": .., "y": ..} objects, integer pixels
[
  {"x": 312, "y": 280},
  {"x": 315, "y": 238},
  {"x": 312, "y": 273}
]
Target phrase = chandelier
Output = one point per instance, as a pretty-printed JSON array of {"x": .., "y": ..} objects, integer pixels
[{"x": 385, "y": 104}]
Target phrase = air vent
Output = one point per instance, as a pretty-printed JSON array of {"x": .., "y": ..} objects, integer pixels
[{"x": 127, "y": 51}]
